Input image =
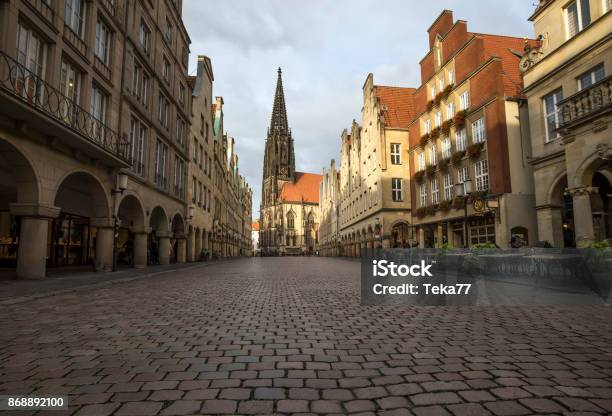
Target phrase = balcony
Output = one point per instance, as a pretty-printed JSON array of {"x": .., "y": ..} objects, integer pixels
[
  {"x": 44, "y": 10},
  {"x": 586, "y": 105},
  {"x": 34, "y": 102},
  {"x": 74, "y": 40}
]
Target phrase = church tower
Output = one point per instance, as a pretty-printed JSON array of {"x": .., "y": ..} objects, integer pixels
[{"x": 279, "y": 157}]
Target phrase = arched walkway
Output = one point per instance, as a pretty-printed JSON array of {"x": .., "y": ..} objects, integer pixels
[
  {"x": 83, "y": 232},
  {"x": 24, "y": 222},
  {"x": 178, "y": 252},
  {"x": 159, "y": 238},
  {"x": 131, "y": 246}
]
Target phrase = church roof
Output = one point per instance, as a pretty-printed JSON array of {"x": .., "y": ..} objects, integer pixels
[
  {"x": 255, "y": 226},
  {"x": 397, "y": 104},
  {"x": 305, "y": 188}
]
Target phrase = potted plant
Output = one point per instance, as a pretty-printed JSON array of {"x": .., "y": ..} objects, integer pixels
[
  {"x": 457, "y": 157},
  {"x": 446, "y": 126},
  {"x": 431, "y": 209},
  {"x": 475, "y": 149},
  {"x": 445, "y": 205},
  {"x": 419, "y": 176},
  {"x": 421, "y": 212},
  {"x": 458, "y": 202},
  {"x": 438, "y": 99},
  {"x": 431, "y": 170},
  {"x": 459, "y": 119},
  {"x": 443, "y": 164},
  {"x": 447, "y": 90},
  {"x": 424, "y": 139},
  {"x": 430, "y": 105},
  {"x": 435, "y": 133}
]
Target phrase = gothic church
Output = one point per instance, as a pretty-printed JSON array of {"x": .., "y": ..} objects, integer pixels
[{"x": 290, "y": 199}]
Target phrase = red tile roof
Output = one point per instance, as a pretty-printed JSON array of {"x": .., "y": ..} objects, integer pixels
[
  {"x": 397, "y": 104},
  {"x": 305, "y": 188},
  {"x": 255, "y": 226},
  {"x": 503, "y": 47}
]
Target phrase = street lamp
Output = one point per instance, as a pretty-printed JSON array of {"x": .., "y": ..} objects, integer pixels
[
  {"x": 121, "y": 186},
  {"x": 464, "y": 190}
]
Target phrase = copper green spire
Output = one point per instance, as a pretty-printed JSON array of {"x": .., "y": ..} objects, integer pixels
[{"x": 279, "y": 111}]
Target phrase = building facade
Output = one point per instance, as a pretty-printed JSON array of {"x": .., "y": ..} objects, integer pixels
[
  {"x": 329, "y": 212},
  {"x": 374, "y": 193},
  {"x": 94, "y": 124},
  {"x": 568, "y": 84},
  {"x": 290, "y": 200},
  {"x": 468, "y": 128}
]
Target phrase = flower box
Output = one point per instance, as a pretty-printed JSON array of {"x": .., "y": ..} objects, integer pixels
[
  {"x": 421, "y": 212},
  {"x": 444, "y": 205},
  {"x": 459, "y": 119},
  {"x": 458, "y": 202},
  {"x": 435, "y": 133},
  {"x": 438, "y": 99},
  {"x": 457, "y": 157},
  {"x": 430, "y": 105},
  {"x": 419, "y": 176},
  {"x": 424, "y": 139},
  {"x": 475, "y": 149},
  {"x": 431, "y": 170},
  {"x": 443, "y": 164},
  {"x": 447, "y": 90}
]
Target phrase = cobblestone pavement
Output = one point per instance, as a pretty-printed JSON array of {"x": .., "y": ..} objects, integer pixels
[{"x": 286, "y": 336}]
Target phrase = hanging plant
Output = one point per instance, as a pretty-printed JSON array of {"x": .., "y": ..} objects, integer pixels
[
  {"x": 419, "y": 176},
  {"x": 457, "y": 157},
  {"x": 444, "y": 205},
  {"x": 458, "y": 202},
  {"x": 424, "y": 139},
  {"x": 431, "y": 170},
  {"x": 446, "y": 126},
  {"x": 430, "y": 105},
  {"x": 447, "y": 90},
  {"x": 475, "y": 149},
  {"x": 435, "y": 133},
  {"x": 443, "y": 164},
  {"x": 459, "y": 118},
  {"x": 421, "y": 212},
  {"x": 438, "y": 99}
]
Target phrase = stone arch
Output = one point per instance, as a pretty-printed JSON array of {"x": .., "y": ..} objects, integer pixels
[
  {"x": 19, "y": 174},
  {"x": 178, "y": 224},
  {"x": 158, "y": 220},
  {"x": 82, "y": 193},
  {"x": 130, "y": 212},
  {"x": 557, "y": 189},
  {"x": 587, "y": 169},
  {"x": 132, "y": 234}
]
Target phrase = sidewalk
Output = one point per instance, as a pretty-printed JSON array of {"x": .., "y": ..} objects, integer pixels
[{"x": 14, "y": 290}]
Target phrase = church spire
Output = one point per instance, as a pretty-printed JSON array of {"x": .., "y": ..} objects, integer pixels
[{"x": 279, "y": 112}]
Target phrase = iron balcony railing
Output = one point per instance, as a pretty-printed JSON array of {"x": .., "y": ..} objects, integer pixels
[
  {"x": 586, "y": 103},
  {"x": 32, "y": 90}
]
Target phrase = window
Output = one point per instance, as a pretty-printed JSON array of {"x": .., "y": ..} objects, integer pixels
[
  {"x": 169, "y": 31},
  {"x": 464, "y": 101},
  {"x": 423, "y": 194},
  {"x": 396, "y": 156},
  {"x": 441, "y": 84},
  {"x": 433, "y": 91},
  {"x": 290, "y": 221},
  {"x": 195, "y": 151},
  {"x": 99, "y": 102},
  {"x": 552, "y": 114},
  {"x": 180, "y": 130},
  {"x": 482, "y": 175},
  {"x": 140, "y": 83},
  {"x": 462, "y": 174},
  {"x": 422, "y": 161},
  {"x": 435, "y": 192},
  {"x": 145, "y": 37},
  {"x": 194, "y": 190},
  {"x": 591, "y": 77},
  {"x": 179, "y": 176},
  {"x": 438, "y": 119},
  {"x": 451, "y": 77},
  {"x": 396, "y": 189},
  {"x": 450, "y": 111},
  {"x": 208, "y": 207},
  {"x": 479, "y": 134},
  {"x": 204, "y": 157},
  {"x": 446, "y": 148},
  {"x": 31, "y": 54},
  {"x": 577, "y": 17},
  {"x": 103, "y": 38},
  {"x": 461, "y": 140},
  {"x": 427, "y": 126},
  {"x": 433, "y": 155},
  {"x": 74, "y": 14},
  {"x": 181, "y": 93},
  {"x": 161, "y": 164},
  {"x": 163, "y": 110},
  {"x": 607, "y": 5},
  {"x": 482, "y": 230},
  {"x": 166, "y": 69},
  {"x": 448, "y": 187},
  {"x": 138, "y": 134}
]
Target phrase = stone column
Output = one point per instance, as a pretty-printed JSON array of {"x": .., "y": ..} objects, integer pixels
[
  {"x": 386, "y": 243},
  {"x": 439, "y": 235},
  {"x": 583, "y": 216},
  {"x": 421, "y": 237},
  {"x": 140, "y": 249},
  {"x": 191, "y": 245},
  {"x": 105, "y": 239},
  {"x": 550, "y": 226},
  {"x": 181, "y": 255},
  {"x": 164, "y": 247},
  {"x": 32, "y": 254}
]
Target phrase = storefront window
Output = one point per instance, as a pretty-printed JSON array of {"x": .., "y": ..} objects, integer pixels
[
  {"x": 9, "y": 239},
  {"x": 72, "y": 241},
  {"x": 482, "y": 230}
]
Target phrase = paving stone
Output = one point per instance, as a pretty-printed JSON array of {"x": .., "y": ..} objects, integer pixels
[
  {"x": 98, "y": 409},
  {"x": 139, "y": 408},
  {"x": 326, "y": 406},
  {"x": 262, "y": 393},
  {"x": 219, "y": 407},
  {"x": 468, "y": 409},
  {"x": 292, "y": 406},
  {"x": 425, "y": 399},
  {"x": 261, "y": 407},
  {"x": 392, "y": 402},
  {"x": 507, "y": 408},
  {"x": 355, "y": 406},
  {"x": 541, "y": 405}
]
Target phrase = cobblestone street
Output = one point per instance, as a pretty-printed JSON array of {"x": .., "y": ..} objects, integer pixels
[{"x": 287, "y": 336}]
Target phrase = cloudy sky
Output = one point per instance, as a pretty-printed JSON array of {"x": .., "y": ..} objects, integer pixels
[{"x": 326, "y": 48}]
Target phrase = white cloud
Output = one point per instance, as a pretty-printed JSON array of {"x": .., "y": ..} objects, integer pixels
[{"x": 326, "y": 49}]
